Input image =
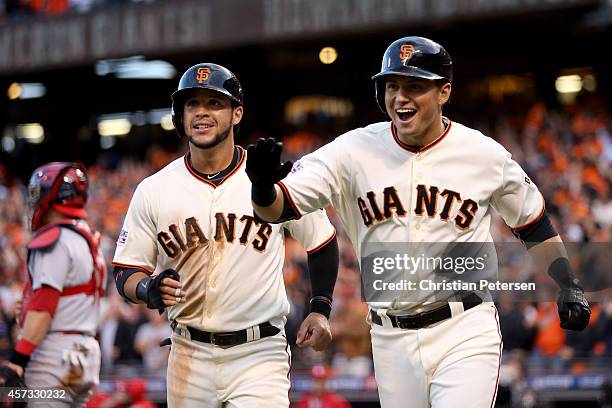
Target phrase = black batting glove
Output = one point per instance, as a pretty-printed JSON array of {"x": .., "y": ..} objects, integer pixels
[
  {"x": 148, "y": 289},
  {"x": 264, "y": 168},
  {"x": 574, "y": 310}
]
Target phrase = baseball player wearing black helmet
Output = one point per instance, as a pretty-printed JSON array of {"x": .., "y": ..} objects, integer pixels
[
  {"x": 421, "y": 181},
  {"x": 190, "y": 244}
]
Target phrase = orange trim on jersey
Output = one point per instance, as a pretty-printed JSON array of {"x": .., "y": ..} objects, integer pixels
[
  {"x": 195, "y": 174},
  {"x": 501, "y": 346},
  {"x": 521, "y": 227},
  {"x": 240, "y": 163},
  {"x": 327, "y": 241},
  {"x": 288, "y": 197},
  {"x": 424, "y": 148},
  {"x": 132, "y": 267}
]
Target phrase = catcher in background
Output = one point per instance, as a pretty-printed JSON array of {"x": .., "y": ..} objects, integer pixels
[{"x": 65, "y": 280}]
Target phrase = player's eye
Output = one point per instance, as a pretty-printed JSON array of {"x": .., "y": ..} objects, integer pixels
[
  {"x": 392, "y": 86},
  {"x": 191, "y": 102}
]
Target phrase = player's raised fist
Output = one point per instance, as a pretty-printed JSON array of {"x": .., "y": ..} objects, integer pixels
[{"x": 263, "y": 165}]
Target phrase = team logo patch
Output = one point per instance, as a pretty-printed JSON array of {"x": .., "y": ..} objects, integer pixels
[
  {"x": 202, "y": 74},
  {"x": 406, "y": 52},
  {"x": 297, "y": 166},
  {"x": 123, "y": 235}
]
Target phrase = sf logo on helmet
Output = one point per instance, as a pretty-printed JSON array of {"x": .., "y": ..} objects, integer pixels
[
  {"x": 406, "y": 52},
  {"x": 203, "y": 74}
]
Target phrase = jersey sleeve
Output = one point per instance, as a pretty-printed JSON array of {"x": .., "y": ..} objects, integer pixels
[
  {"x": 517, "y": 200},
  {"x": 50, "y": 267},
  {"x": 313, "y": 230},
  {"x": 137, "y": 244},
  {"x": 313, "y": 181}
]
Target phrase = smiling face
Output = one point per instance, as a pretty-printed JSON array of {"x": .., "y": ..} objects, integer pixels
[
  {"x": 415, "y": 107},
  {"x": 208, "y": 118}
]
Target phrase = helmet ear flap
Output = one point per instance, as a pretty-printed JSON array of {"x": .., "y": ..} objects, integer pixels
[
  {"x": 177, "y": 116},
  {"x": 379, "y": 91}
]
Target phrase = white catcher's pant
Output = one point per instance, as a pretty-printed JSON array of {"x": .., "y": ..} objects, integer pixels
[
  {"x": 254, "y": 374},
  {"x": 454, "y": 363},
  {"x": 65, "y": 360}
]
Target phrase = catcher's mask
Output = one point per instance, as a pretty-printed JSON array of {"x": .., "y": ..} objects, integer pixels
[
  {"x": 414, "y": 57},
  {"x": 204, "y": 76},
  {"x": 61, "y": 186}
]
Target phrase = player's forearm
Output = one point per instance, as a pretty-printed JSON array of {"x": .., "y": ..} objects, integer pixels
[
  {"x": 36, "y": 326},
  {"x": 129, "y": 287},
  {"x": 323, "y": 267},
  {"x": 547, "y": 251},
  {"x": 551, "y": 256},
  {"x": 274, "y": 210}
]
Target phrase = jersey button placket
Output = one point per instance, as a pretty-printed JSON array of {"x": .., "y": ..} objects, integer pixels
[{"x": 417, "y": 179}]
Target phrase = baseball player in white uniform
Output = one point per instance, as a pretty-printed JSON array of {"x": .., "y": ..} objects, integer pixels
[
  {"x": 190, "y": 242},
  {"x": 57, "y": 349},
  {"x": 422, "y": 178}
]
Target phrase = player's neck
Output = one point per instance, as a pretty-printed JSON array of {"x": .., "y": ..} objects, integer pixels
[
  {"x": 427, "y": 137},
  {"x": 215, "y": 159}
]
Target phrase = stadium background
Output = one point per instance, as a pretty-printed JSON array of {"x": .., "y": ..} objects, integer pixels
[{"x": 76, "y": 84}]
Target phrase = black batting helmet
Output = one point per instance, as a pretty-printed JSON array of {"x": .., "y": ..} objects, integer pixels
[
  {"x": 58, "y": 185},
  {"x": 204, "y": 76},
  {"x": 414, "y": 57}
]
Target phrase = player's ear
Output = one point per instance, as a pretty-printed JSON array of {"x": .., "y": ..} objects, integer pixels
[
  {"x": 237, "y": 115},
  {"x": 445, "y": 93}
]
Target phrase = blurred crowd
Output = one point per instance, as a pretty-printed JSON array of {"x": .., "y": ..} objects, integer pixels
[
  {"x": 14, "y": 9},
  {"x": 567, "y": 152}
]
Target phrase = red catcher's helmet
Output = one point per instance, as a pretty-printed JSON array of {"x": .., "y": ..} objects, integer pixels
[{"x": 61, "y": 186}]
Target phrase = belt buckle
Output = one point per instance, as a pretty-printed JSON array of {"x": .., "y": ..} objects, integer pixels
[
  {"x": 212, "y": 338},
  {"x": 404, "y": 323}
]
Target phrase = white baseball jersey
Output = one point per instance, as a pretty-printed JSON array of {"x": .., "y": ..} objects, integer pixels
[
  {"x": 69, "y": 355},
  {"x": 385, "y": 191},
  {"x": 230, "y": 265},
  {"x": 68, "y": 264}
]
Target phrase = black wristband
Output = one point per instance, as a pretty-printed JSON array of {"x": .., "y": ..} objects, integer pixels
[
  {"x": 19, "y": 359},
  {"x": 561, "y": 272},
  {"x": 321, "y": 304},
  {"x": 263, "y": 194},
  {"x": 142, "y": 289},
  {"x": 121, "y": 275}
]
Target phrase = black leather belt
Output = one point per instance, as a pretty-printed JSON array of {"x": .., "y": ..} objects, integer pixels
[
  {"x": 228, "y": 339},
  {"x": 420, "y": 320}
]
